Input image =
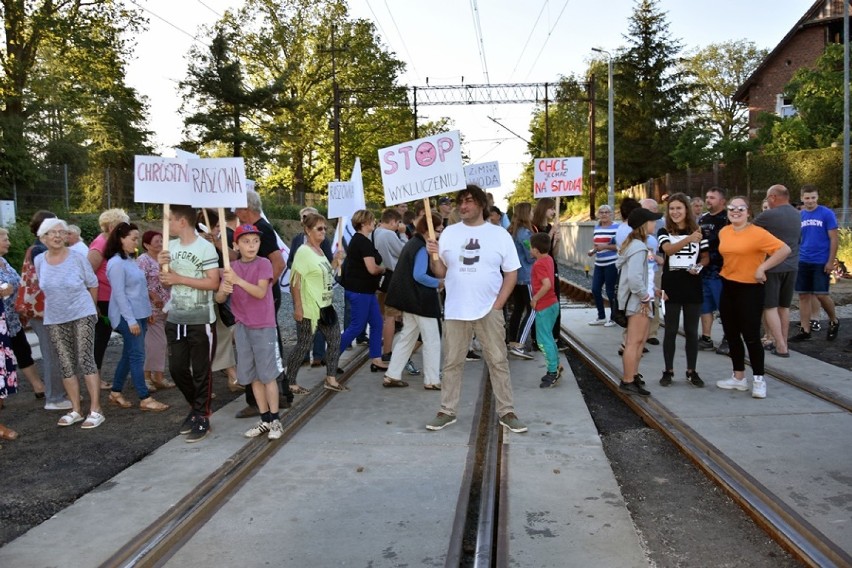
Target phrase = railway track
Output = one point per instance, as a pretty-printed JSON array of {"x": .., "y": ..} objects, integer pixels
[
  {"x": 474, "y": 538},
  {"x": 787, "y": 526}
]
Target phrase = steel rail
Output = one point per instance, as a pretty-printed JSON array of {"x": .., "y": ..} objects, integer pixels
[
  {"x": 160, "y": 540},
  {"x": 579, "y": 293},
  {"x": 782, "y": 523}
]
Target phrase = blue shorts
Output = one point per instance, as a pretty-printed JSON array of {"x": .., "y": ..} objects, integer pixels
[
  {"x": 712, "y": 289},
  {"x": 812, "y": 278}
]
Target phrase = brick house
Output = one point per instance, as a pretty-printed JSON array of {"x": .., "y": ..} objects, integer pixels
[{"x": 763, "y": 91}]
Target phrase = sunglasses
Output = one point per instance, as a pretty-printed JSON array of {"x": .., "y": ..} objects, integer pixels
[
  {"x": 740, "y": 208},
  {"x": 320, "y": 229}
]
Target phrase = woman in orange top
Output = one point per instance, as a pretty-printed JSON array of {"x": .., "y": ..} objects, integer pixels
[{"x": 748, "y": 251}]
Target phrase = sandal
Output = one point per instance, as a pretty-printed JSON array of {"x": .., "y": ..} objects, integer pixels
[
  {"x": 116, "y": 399},
  {"x": 94, "y": 420},
  {"x": 152, "y": 405},
  {"x": 299, "y": 390},
  {"x": 390, "y": 383},
  {"x": 434, "y": 387},
  {"x": 7, "y": 433},
  {"x": 162, "y": 384},
  {"x": 336, "y": 388},
  {"x": 234, "y": 385},
  {"x": 69, "y": 419},
  {"x": 105, "y": 385}
]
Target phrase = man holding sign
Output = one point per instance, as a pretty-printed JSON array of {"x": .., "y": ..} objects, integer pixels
[
  {"x": 193, "y": 277},
  {"x": 479, "y": 263}
]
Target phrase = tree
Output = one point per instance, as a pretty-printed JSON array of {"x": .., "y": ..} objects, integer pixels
[
  {"x": 720, "y": 123},
  {"x": 650, "y": 109}
]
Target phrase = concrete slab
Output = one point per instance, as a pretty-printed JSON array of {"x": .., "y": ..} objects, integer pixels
[
  {"x": 793, "y": 443},
  {"x": 363, "y": 484},
  {"x": 565, "y": 505}
]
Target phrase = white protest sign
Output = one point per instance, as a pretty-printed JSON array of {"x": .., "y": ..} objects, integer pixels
[
  {"x": 558, "y": 177},
  {"x": 184, "y": 155},
  {"x": 422, "y": 168},
  {"x": 486, "y": 175},
  {"x": 218, "y": 182},
  {"x": 161, "y": 180},
  {"x": 346, "y": 197},
  {"x": 358, "y": 184}
]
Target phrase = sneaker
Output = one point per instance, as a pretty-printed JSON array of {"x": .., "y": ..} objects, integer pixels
[
  {"x": 187, "y": 425},
  {"x": 520, "y": 353},
  {"x": 801, "y": 336},
  {"x": 633, "y": 388},
  {"x": 705, "y": 343},
  {"x": 441, "y": 421},
  {"x": 694, "y": 379},
  {"x": 561, "y": 345},
  {"x": 833, "y": 328},
  {"x": 559, "y": 371},
  {"x": 723, "y": 348},
  {"x": 512, "y": 422},
  {"x": 666, "y": 379},
  {"x": 548, "y": 381},
  {"x": 758, "y": 388},
  {"x": 638, "y": 378},
  {"x": 199, "y": 430},
  {"x": 472, "y": 356},
  {"x": 258, "y": 429},
  {"x": 599, "y": 321},
  {"x": 653, "y": 341},
  {"x": 815, "y": 325},
  {"x": 275, "y": 430},
  {"x": 61, "y": 405},
  {"x": 733, "y": 384},
  {"x": 362, "y": 341},
  {"x": 610, "y": 323},
  {"x": 411, "y": 369}
]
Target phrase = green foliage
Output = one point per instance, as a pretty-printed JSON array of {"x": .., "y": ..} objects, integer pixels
[
  {"x": 844, "y": 246},
  {"x": 89, "y": 227},
  {"x": 20, "y": 238},
  {"x": 822, "y": 168}
]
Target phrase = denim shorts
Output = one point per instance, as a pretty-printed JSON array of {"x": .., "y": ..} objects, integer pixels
[
  {"x": 812, "y": 278},
  {"x": 712, "y": 289}
]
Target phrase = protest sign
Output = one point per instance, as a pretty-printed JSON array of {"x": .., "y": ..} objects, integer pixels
[
  {"x": 218, "y": 182},
  {"x": 422, "y": 168},
  {"x": 346, "y": 197},
  {"x": 161, "y": 180},
  {"x": 557, "y": 177},
  {"x": 486, "y": 175}
]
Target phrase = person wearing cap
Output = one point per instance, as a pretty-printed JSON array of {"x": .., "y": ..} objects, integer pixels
[
  {"x": 634, "y": 295},
  {"x": 193, "y": 276},
  {"x": 749, "y": 251},
  {"x": 445, "y": 207},
  {"x": 70, "y": 291},
  {"x": 249, "y": 283}
]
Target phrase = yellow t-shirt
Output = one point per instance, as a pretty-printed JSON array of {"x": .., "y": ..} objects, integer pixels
[
  {"x": 743, "y": 251},
  {"x": 312, "y": 273}
]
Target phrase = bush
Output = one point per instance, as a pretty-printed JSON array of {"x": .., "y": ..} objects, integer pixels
[{"x": 20, "y": 239}]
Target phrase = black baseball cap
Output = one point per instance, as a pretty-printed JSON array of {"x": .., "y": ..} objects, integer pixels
[{"x": 639, "y": 217}]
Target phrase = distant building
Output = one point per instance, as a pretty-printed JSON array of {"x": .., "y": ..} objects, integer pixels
[{"x": 763, "y": 91}]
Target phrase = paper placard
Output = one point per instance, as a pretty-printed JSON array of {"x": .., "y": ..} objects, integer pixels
[
  {"x": 422, "y": 168},
  {"x": 218, "y": 182},
  {"x": 557, "y": 177},
  {"x": 341, "y": 199},
  {"x": 685, "y": 257},
  {"x": 486, "y": 175},
  {"x": 161, "y": 180}
]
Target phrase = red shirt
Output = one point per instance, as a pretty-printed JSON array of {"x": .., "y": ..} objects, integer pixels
[{"x": 544, "y": 268}]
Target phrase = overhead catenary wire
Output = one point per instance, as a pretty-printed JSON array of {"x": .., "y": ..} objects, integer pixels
[
  {"x": 167, "y": 22},
  {"x": 402, "y": 39},
  {"x": 477, "y": 27},
  {"x": 529, "y": 37},
  {"x": 562, "y": 11},
  {"x": 209, "y": 8}
]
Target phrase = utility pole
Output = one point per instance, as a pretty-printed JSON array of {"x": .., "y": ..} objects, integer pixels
[
  {"x": 335, "y": 88},
  {"x": 610, "y": 142},
  {"x": 592, "y": 201}
]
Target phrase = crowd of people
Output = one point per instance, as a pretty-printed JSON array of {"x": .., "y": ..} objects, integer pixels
[{"x": 179, "y": 306}]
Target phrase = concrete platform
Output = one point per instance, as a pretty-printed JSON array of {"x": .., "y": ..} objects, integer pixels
[
  {"x": 793, "y": 443},
  {"x": 365, "y": 484}
]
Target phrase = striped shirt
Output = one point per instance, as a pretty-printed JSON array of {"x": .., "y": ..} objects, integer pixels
[{"x": 605, "y": 236}]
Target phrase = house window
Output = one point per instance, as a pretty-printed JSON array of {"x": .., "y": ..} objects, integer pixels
[{"x": 784, "y": 106}]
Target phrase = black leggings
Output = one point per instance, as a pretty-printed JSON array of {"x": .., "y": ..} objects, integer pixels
[
  {"x": 741, "y": 307},
  {"x": 304, "y": 341},
  {"x": 691, "y": 316}
]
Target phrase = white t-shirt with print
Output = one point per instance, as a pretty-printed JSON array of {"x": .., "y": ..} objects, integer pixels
[{"x": 474, "y": 257}]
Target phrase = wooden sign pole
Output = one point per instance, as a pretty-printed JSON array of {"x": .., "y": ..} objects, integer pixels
[
  {"x": 223, "y": 234},
  {"x": 428, "y": 211},
  {"x": 166, "y": 236}
]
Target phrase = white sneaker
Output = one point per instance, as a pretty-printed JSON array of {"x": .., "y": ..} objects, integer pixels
[
  {"x": 758, "y": 388},
  {"x": 520, "y": 353},
  {"x": 256, "y": 430},
  {"x": 610, "y": 323},
  {"x": 733, "y": 384},
  {"x": 61, "y": 405},
  {"x": 275, "y": 430},
  {"x": 601, "y": 321}
]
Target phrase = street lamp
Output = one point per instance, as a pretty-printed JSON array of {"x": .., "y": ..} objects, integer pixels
[{"x": 610, "y": 142}]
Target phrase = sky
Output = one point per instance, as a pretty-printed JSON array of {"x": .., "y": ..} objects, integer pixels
[{"x": 534, "y": 41}]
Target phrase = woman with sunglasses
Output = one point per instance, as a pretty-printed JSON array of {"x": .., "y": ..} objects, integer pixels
[
  {"x": 311, "y": 283},
  {"x": 748, "y": 252}
]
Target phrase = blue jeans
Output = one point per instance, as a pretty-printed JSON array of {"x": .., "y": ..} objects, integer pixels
[
  {"x": 132, "y": 359},
  {"x": 605, "y": 275},
  {"x": 365, "y": 309}
]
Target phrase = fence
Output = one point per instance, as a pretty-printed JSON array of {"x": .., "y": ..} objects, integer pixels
[{"x": 733, "y": 177}]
